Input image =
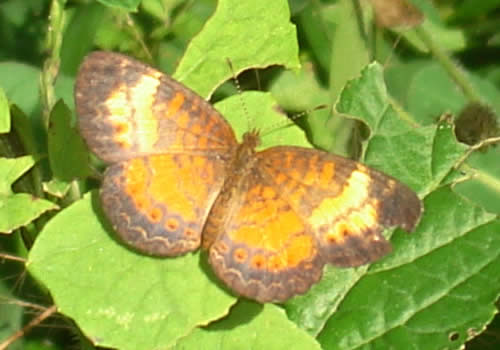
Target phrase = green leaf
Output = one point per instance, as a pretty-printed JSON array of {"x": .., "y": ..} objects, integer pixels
[
  {"x": 258, "y": 110},
  {"x": 349, "y": 52},
  {"x": 161, "y": 9},
  {"x": 448, "y": 285},
  {"x": 488, "y": 340},
  {"x": 432, "y": 92},
  {"x": 446, "y": 38},
  {"x": 190, "y": 21},
  {"x": 448, "y": 263},
  {"x": 4, "y": 113},
  {"x": 20, "y": 82},
  {"x": 394, "y": 134},
  {"x": 389, "y": 148},
  {"x": 21, "y": 85},
  {"x": 244, "y": 32},
  {"x": 11, "y": 170},
  {"x": 63, "y": 139},
  {"x": 483, "y": 187},
  {"x": 129, "y": 301},
  {"x": 468, "y": 9},
  {"x": 57, "y": 188},
  {"x": 256, "y": 326},
  {"x": 127, "y": 5},
  {"x": 23, "y": 129},
  {"x": 18, "y": 209},
  {"x": 80, "y": 35},
  {"x": 317, "y": 22}
]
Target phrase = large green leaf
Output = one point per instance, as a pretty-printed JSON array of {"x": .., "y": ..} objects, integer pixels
[
  {"x": 120, "y": 298},
  {"x": 246, "y": 33},
  {"x": 447, "y": 264}
]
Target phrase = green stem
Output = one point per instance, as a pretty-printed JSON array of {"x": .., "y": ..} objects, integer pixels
[
  {"x": 481, "y": 176},
  {"x": 51, "y": 65},
  {"x": 445, "y": 60}
]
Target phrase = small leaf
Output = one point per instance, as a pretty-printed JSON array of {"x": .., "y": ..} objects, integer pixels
[
  {"x": 20, "y": 209},
  {"x": 12, "y": 169},
  {"x": 63, "y": 140},
  {"x": 56, "y": 188},
  {"x": 161, "y": 9}
]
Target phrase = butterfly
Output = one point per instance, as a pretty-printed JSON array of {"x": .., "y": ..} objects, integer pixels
[{"x": 178, "y": 179}]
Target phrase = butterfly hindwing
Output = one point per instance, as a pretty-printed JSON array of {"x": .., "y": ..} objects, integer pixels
[
  {"x": 258, "y": 244},
  {"x": 158, "y": 204}
]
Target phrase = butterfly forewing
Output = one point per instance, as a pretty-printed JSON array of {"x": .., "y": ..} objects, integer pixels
[
  {"x": 344, "y": 204},
  {"x": 128, "y": 109}
]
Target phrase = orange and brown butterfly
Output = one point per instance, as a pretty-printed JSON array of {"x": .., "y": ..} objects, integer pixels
[{"x": 178, "y": 179}]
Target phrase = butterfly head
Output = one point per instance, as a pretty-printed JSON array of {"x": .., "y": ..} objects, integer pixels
[{"x": 251, "y": 139}]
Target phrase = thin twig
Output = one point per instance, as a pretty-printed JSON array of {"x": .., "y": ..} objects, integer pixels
[
  {"x": 24, "y": 303},
  {"x": 12, "y": 257},
  {"x": 34, "y": 322}
]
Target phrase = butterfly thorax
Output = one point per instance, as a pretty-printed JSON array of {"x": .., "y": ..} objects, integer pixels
[
  {"x": 251, "y": 139},
  {"x": 244, "y": 156}
]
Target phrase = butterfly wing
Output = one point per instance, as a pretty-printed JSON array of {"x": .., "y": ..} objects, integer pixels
[
  {"x": 297, "y": 210},
  {"x": 167, "y": 146},
  {"x": 158, "y": 204},
  {"x": 345, "y": 204},
  {"x": 258, "y": 244},
  {"x": 128, "y": 109}
]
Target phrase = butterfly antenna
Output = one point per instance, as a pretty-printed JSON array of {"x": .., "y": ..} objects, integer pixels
[
  {"x": 291, "y": 119},
  {"x": 240, "y": 91},
  {"x": 393, "y": 50},
  {"x": 137, "y": 36},
  {"x": 257, "y": 79}
]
